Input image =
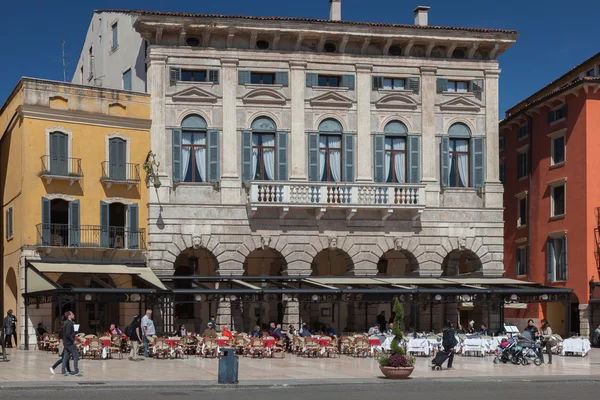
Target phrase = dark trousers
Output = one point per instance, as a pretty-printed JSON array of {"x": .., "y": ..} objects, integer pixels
[
  {"x": 70, "y": 351},
  {"x": 548, "y": 347},
  {"x": 8, "y": 339},
  {"x": 59, "y": 361},
  {"x": 450, "y": 357}
]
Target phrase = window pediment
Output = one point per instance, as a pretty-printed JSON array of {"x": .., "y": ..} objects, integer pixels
[
  {"x": 194, "y": 95},
  {"x": 331, "y": 99},
  {"x": 397, "y": 101},
  {"x": 461, "y": 103},
  {"x": 264, "y": 96}
]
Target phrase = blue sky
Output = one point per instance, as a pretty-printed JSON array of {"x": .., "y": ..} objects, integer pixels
[{"x": 554, "y": 37}]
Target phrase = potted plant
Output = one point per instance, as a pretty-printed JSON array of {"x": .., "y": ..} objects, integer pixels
[{"x": 397, "y": 365}]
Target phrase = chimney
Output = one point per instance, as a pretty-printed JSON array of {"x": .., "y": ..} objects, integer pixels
[
  {"x": 421, "y": 15},
  {"x": 335, "y": 10}
]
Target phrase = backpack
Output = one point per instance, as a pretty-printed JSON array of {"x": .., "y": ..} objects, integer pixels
[{"x": 128, "y": 330}]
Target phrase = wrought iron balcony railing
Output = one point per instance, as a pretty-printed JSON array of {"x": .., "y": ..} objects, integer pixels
[
  {"x": 120, "y": 173},
  {"x": 90, "y": 236},
  {"x": 61, "y": 168}
]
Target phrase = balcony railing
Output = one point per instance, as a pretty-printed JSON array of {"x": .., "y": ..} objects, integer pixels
[
  {"x": 61, "y": 168},
  {"x": 338, "y": 195},
  {"x": 90, "y": 236},
  {"x": 120, "y": 173}
]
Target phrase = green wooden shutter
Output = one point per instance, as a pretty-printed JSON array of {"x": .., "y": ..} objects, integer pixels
[
  {"x": 213, "y": 156},
  {"x": 281, "y": 78},
  {"x": 133, "y": 226},
  {"x": 478, "y": 161},
  {"x": 117, "y": 154},
  {"x": 377, "y": 82},
  {"x": 442, "y": 85},
  {"x": 348, "y": 81},
  {"x": 46, "y": 222},
  {"x": 104, "y": 225},
  {"x": 312, "y": 79},
  {"x": 74, "y": 223},
  {"x": 379, "y": 158},
  {"x": 244, "y": 77},
  {"x": 6, "y": 229},
  {"x": 282, "y": 156},
  {"x": 550, "y": 260},
  {"x": 565, "y": 259},
  {"x": 414, "y": 84},
  {"x": 11, "y": 221},
  {"x": 177, "y": 173},
  {"x": 174, "y": 74},
  {"x": 445, "y": 161},
  {"x": 565, "y": 109},
  {"x": 476, "y": 85},
  {"x": 519, "y": 261},
  {"x": 414, "y": 159},
  {"x": 213, "y": 76},
  {"x": 247, "y": 173},
  {"x": 313, "y": 157},
  {"x": 550, "y": 116},
  {"x": 348, "y": 158}
]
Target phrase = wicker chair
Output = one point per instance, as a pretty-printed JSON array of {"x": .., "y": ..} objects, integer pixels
[
  {"x": 312, "y": 347},
  {"x": 161, "y": 348},
  {"x": 278, "y": 347},
  {"x": 257, "y": 347},
  {"x": 347, "y": 345},
  {"x": 116, "y": 346},
  {"x": 210, "y": 347},
  {"x": 361, "y": 347},
  {"x": 331, "y": 349},
  {"x": 94, "y": 348},
  {"x": 241, "y": 344}
]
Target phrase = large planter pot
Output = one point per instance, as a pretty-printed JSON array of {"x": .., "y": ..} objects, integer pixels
[{"x": 396, "y": 373}]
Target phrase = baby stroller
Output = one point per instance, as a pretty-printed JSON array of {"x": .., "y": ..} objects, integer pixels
[
  {"x": 505, "y": 351},
  {"x": 439, "y": 359},
  {"x": 527, "y": 350}
]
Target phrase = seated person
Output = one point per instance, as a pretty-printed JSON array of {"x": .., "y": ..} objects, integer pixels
[
  {"x": 305, "y": 332},
  {"x": 329, "y": 331},
  {"x": 272, "y": 329},
  {"x": 41, "y": 330},
  {"x": 114, "y": 330},
  {"x": 483, "y": 331},
  {"x": 181, "y": 332},
  {"x": 210, "y": 332},
  {"x": 390, "y": 329},
  {"x": 374, "y": 331},
  {"x": 227, "y": 332},
  {"x": 256, "y": 332}
]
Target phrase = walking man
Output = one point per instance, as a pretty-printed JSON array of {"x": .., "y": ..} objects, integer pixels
[
  {"x": 148, "y": 330},
  {"x": 8, "y": 329},
  {"x": 70, "y": 348},
  {"x": 449, "y": 342}
]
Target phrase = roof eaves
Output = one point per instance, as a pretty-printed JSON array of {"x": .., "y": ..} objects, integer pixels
[{"x": 314, "y": 20}]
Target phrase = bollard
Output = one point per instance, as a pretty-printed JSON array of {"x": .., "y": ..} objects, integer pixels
[{"x": 228, "y": 366}]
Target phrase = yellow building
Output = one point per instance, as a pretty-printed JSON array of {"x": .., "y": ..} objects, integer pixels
[{"x": 74, "y": 201}]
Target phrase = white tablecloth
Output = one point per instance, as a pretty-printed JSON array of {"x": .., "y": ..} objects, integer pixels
[
  {"x": 475, "y": 345},
  {"x": 419, "y": 345},
  {"x": 576, "y": 345}
]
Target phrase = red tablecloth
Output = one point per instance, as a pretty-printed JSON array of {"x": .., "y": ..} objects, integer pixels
[
  {"x": 105, "y": 343},
  {"x": 375, "y": 342},
  {"x": 269, "y": 343},
  {"x": 324, "y": 342},
  {"x": 222, "y": 342},
  {"x": 172, "y": 342}
]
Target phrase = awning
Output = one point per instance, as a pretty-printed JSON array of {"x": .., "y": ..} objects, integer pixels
[
  {"x": 516, "y": 306},
  {"x": 38, "y": 279}
]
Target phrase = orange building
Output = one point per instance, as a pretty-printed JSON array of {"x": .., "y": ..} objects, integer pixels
[{"x": 550, "y": 166}]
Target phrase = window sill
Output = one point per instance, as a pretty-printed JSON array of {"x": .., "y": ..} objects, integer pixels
[
  {"x": 558, "y": 217},
  {"x": 263, "y": 85},
  {"x": 329, "y": 88},
  {"x": 521, "y": 226},
  {"x": 194, "y": 184},
  {"x": 557, "y": 165},
  {"x": 523, "y": 178},
  {"x": 558, "y": 121},
  {"x": 461, "y": 189},
  {"x": 523, "y": 137},
  {"x": 389, "y": 91},
  {"x": 471, "y": 94},
  {"x": 113, "y": 50},
  {"x": 8, "y": 239},
  {"x": 194, "y": 83},
  {"x": 524, "y": 276}
]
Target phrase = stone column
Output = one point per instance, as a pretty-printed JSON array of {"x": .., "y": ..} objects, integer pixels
[
  {"x": 428, "y": 139},
  {"x": 493, "y": 187},
  {"x": 298, "y": 153},
  {"x": 364, "y": 142},
  {"x": 291, "y": 314},
  {"x": 231, "y": 192},
  {"x": 584, "y": 320},
  {"x": 223, "y": 316}
]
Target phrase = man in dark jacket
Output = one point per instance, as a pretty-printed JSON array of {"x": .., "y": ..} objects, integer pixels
[
  {"x": 449, "y": 342},
  {"x": 70, "y": 347},
  {"x": 10, "y": 327}
]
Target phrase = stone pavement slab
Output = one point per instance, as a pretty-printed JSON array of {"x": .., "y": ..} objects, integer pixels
[{"x": 31, "y": 368}]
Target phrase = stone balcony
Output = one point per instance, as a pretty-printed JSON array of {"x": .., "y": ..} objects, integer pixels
[{"x": 322, "y": 196}]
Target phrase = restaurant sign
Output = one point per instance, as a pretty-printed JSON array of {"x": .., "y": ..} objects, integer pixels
[{"x": 35, "y": 300}]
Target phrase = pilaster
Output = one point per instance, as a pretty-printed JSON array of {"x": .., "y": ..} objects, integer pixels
[
  {"x": 363, "y": 140},
  {"x": 157, "y": 66},
  {"x": 298, "y": 155},
  {"x": 428, "y": 139},
  {"x": 491, "y": 126}
]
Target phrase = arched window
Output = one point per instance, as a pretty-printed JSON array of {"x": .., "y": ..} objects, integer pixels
[
  {"x": 462, "y": 158},
  {"x": 193, "y": 149},
  {"x": 395, "y": 152},
  {"x": 264, "y": 151},
  {"x": 330, "y": 151}
]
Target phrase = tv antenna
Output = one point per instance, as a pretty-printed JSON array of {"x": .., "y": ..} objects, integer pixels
[{"x": 64, "y": 61}]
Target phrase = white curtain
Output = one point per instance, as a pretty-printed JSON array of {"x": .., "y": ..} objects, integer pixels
[
  {"x": 255, "y": 142},
  {"x": 388, "y": 158},
  {"x": 335, "y": 142},
  {"x": 463, "y": 162},
  {"x": 399, "y": 160},
  {"x": 269, "y": 140},
  {"x": 200, "y": 139},
  {"x": 322, "y": 155},
  {"x": 186, "y": 140}
]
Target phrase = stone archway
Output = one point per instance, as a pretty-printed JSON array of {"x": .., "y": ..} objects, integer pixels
[
  {"x": 398, "y": 263},
  {"x": 186, "y": 310},
  {"x": 331, "y": 262},
  {"x": 462, "y": 263}
]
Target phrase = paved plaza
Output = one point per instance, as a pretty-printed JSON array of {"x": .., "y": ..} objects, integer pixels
[{"x": 27, "y": 368}]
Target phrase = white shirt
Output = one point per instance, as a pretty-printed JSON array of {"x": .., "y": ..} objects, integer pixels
[{"x": 149, "y": 324}]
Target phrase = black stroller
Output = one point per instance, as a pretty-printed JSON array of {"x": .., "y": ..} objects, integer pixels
[{"x": 527, "y": 350}]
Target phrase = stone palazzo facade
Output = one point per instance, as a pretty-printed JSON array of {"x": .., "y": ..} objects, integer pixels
[{"x": 321, "y": 147}]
